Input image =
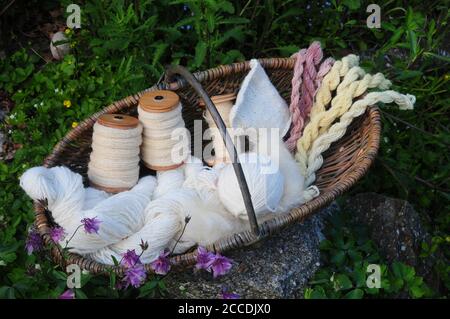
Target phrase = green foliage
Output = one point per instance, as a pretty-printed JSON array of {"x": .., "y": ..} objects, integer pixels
[
  {"x": 347, "y": 252},
  {"x": 123, "y": 46}
]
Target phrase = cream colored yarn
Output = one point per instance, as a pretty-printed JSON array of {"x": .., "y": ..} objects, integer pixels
[
  {"x": 337, "y": 130},
  {"x": 114, "y": 161},
  {"x": 165, "y": 138},
  {"x": 350, "y": 82}
]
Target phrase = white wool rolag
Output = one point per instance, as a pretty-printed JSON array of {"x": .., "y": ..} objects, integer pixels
[
  {"x": 121, "y": 215},
  {"x": 114, "y": 161},
  {"x": 266, "y": 188}
]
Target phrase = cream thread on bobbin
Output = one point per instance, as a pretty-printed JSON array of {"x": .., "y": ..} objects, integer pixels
[
  {"x": 165, "y": 144},
  {"x": 114, "y": 161},
  {"x": 224, "y": 104}
]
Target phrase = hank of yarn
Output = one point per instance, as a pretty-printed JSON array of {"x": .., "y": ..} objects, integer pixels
[
  {"x": 120, "y": 215},
  {"x": 165, "y": 139},
  {"x": 164, "y": 221},
  {"x": 114, "y": 161},
  {"x": 337, "y": 130},
  {"x": 168, "y": 181},
  {"x": 355, "y": 82},
  {"x": 306, "y": 79}
]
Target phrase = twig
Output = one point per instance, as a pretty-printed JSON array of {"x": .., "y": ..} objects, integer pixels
[{"x": 6, "y": 8}]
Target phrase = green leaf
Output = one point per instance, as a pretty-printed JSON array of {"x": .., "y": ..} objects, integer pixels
[
  {"x": 79, "y": 294},
  {"x": 318, "y": 293},
  {"x": 343, "y": 282},
  {"x": 354, "y": 294},
  {"x": 338, "y": 257},
  {"x": 115, "y": 261},
  {"x": 149, "y": 287},
  {"x": 352, "y": 4},
  {"x": 200, "y": 53}
]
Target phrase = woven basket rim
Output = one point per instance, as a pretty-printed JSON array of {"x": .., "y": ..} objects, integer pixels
[{"x": 231, "y": 242}]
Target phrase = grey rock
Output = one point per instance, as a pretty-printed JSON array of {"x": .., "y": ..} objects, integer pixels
[
  {"x": 278, "y": 267},
  {"x": 394, "y": 226}
]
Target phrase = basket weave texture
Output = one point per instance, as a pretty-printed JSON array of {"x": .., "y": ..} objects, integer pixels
[{"x": 345, "y": 162}]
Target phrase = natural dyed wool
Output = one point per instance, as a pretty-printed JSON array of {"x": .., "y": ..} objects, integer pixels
[
  {"x": 347, "y": 81},
  {"x": 306, "y": 79},
  {"x": 337, "y": 130}
]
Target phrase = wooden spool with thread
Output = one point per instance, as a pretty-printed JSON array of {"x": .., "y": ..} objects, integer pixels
[
  {"x": 156, "y": 104},
  {"x": 223, "y": 103},
  {"x": 117, "y": 122}
]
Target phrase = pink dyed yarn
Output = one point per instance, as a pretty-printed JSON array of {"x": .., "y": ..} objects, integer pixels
[{"x": 305, "y": 82}]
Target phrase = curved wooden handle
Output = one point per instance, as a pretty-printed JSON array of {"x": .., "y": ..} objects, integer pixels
[{"x": 177, "y": 69}]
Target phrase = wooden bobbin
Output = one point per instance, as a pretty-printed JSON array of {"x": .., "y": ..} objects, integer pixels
[
  {"x": 121, "y": 122},
  {"x": 222, "y": 102},
  {"x": 159, "y": 101}
]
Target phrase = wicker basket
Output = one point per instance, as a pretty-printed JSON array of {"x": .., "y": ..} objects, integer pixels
[{"x": 345, "y": 162}]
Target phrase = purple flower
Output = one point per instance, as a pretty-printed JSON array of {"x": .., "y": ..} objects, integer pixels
[
  {"x": 57, "y": 234},
  {"x": 204, "y": 258},
  {"x": 130, "y": 258},
  {"x": 68, "y": 294},
  {"x": 229, "y": 295},
  {"x": 220, "y": 265},
  {"x": 91, "y": 225},
  {"x": 134, "y": 275},
  {"x": 161, "y": 266},
  {"x": 33, "y": 242}
]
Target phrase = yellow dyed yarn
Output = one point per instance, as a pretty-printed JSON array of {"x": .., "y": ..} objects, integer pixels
[{"x": 349, "y": 81}]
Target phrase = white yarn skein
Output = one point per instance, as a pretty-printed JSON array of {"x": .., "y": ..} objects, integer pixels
[
  {"x": 93, "y": 196},
  {"x": 121, "y": 215},
  {"x": 266, "y": 188},
  {"x": 203, "y": 180},
  {"x": 165, "y": 219},
  {"x": 168, "y": 181},
  {"x": 114, "y": 161}
]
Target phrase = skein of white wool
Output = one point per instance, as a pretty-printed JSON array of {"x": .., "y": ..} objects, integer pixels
[
  {"x": 266, "y": 187},
  {"x": 203, "y": 180},
  {"x": 165, "y": 219},
  {"x": 168, "y": 181},
  {"x": 165, "y": 139},
  {"x": 121, "y": 215},
  {"x": 114, "y": 161}
]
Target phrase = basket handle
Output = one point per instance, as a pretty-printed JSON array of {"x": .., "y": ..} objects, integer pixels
[{"x": 171, "y": 71}]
